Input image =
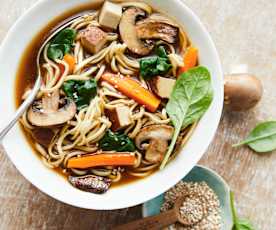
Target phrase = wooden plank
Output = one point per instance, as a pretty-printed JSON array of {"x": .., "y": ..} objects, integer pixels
[{"x": 244, "y": 32}]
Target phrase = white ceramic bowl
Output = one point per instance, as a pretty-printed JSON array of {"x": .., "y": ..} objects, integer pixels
[{"x": 21, "y": 154}]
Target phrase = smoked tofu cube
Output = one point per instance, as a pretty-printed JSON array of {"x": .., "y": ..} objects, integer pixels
[
  {"x": 162, "y": 86},
  {"x": 110, "y": 15},
  {"x": 119, "y": 117},
  {"x": 93, "y": 39}
]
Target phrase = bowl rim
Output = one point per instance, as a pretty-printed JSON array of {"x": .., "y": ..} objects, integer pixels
[{"x": 146, "y": 196}]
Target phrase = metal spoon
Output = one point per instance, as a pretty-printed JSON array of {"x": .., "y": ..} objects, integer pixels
[
  {"x": 24, "y": 106},
  {"x": 159, "y": 221}
]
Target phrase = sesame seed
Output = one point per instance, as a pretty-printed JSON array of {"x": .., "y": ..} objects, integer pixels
[{"x": 201, "y": 207}]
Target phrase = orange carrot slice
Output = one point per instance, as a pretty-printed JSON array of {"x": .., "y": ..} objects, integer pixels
[
  {"x": 133, "y": 90},
  {"x": 190, "y": 59},
  {"x": 70, "y": 60},
  {"x": 107, "y": 159}
]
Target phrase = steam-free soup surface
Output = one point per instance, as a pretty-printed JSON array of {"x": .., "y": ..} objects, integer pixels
[{"x": 101, "y": 118}]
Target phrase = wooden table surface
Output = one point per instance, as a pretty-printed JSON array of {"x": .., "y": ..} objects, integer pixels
[{"x": 244, "y": 32}]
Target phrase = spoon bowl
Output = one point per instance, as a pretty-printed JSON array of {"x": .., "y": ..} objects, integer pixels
[
  {"x": 214, "y": 181},
  {"x": 160, "y": 220}
]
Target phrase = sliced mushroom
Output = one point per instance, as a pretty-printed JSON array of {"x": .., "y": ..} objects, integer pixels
[
  {"x": 157, "y": 27},
  {"x": 43, "y": 136},
  {"x": 128, "y": 32},
  {"x": 161, "y": 18},
  {"x": 158, "y": 137},
  {"x": 91, "y": 183},
  {"x": 46, "y": 112}
]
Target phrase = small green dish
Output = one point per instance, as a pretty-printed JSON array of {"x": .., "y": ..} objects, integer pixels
[{"x": 216, "y": 182}]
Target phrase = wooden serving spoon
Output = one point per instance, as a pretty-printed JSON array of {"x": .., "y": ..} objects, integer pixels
[{"x": 159, "y": 221}]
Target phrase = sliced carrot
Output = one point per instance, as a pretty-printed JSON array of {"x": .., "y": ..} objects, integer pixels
[
  {"x": 70, "y": 60},
  {"x": 190, "y": 59},
  {"x": 133, "y": 90},
  {"x": 107, "y": 159}
]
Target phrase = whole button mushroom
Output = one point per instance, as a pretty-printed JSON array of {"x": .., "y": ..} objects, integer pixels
[{"x": 242, "y": 91}]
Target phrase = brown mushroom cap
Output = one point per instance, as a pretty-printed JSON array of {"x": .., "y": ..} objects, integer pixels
[
  {"x": 43, "y": 136},
  {"x": 158, "y": 137},
  {"x": 46, "y": 112},
  {"x": 158, "y": 27},
  {"x": 128, "y": 32},
  {"x": 242, "y": 91}
]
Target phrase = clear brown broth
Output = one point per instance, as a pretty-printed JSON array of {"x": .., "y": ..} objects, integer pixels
[{"x": 27, "y": 72}]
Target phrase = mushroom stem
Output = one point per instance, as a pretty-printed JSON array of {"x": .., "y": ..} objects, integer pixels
[
  {"x": 158, "y": 137},
  {"x": 50, "y": 101},
  {"x": 155, "y": 150}
]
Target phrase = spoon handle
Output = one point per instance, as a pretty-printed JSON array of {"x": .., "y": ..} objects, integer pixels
[
  {"x": 21, "y": 109},
  {"x": 153, "y": 222}
]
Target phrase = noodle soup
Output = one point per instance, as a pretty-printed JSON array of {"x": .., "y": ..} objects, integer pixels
[{"x": 122, "y": 92}]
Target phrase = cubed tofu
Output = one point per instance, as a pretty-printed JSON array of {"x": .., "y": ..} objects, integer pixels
[
  {"x": 119, "y": 117},
  {"x": 93, "y": 39},
  {"x": 110, "y": 15},
  {"x": 162, "y": 86}
]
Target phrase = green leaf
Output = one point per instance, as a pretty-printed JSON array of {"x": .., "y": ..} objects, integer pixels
[
  {"x": 162, "y": 66},
  {"x": 161, "y": 52},
  {"x": 155, "y": 65},
  {"x": 66, "y": 36},
  {"x": 82, "y": 92},
  {"x": 54, "y": 52},
  {"x": 61, "y": 44},
  {"x": 197, "y": 110},
  {"x": 243, "y": 225},
  {"x": 189, "y": 100},
  {"x": 119, "y": 142},
  {"x": 262, "y": 138},
  {"x": 68, "y": 88},
  {"x": 238, "y": 223}
]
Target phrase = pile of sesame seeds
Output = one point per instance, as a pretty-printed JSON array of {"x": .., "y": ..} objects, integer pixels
[{"x": 201, "y": 207}]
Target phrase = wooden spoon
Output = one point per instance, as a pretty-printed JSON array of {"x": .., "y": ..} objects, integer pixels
[{"x": 159, "y": 221}]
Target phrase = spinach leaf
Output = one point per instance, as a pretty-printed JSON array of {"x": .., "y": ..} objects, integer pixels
[
  {"x": 155, "y": 65},
  {"x": 61, "y": 44},
  {"x": 262, "y": 138},
  {"x": 243, "y": 225},
  {"x": 189, "y": 100},
  {"x": 238, "y": 224},
  {"x": 161, "y": 52},
  {"x": 80, "y": 91},
  {"x": 119, "y": 142},
  {"x": 197, "y": 110}
]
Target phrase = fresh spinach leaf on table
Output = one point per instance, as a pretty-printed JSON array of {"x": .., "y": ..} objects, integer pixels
[
  {"x": 61, "y": 44},
  {"x": 262, "y": 138},
  {"x": 190, "y": 99},
  {"x": 238, "y": 224},
  {"x": 80, "y": 91}
]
